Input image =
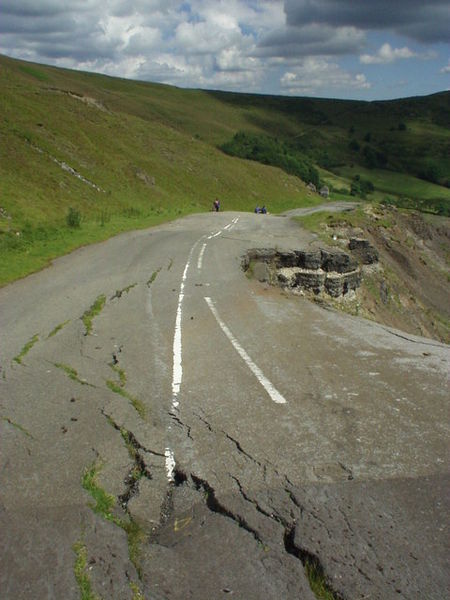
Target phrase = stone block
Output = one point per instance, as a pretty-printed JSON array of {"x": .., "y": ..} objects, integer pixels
[
  {"x": 337, "y": 261},
  {"x": 308, "y": 259},
  {"x": 310, "y": 280}
]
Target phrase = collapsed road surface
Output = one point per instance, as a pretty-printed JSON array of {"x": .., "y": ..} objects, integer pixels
[{"x": 171, "y": 429}]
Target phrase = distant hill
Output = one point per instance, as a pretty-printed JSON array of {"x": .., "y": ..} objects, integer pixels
[
  {"x": 410, "y": 136},
  {"x": 125, "y": 154}
]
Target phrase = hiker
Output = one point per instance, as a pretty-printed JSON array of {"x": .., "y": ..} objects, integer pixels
[
  {"x": 257, "y": 210},
  {"x": 216, "y": 205},
  {"x": 264, "y": 210}
]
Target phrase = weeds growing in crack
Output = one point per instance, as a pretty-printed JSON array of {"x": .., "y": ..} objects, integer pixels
[
  {"x": 136, "y": 537},
  {"x": 153, "y": 277},
  {"x": 120, "y": 373},
  {"x": 317, "y": 581},
  {"x": 137, "y": 594},
  {"x": 81, "y": 573},
  {"x": 26, "y": 349},
  {"x": 119, "y": 388},
  {"x": 19, "y": 427},
  {"x": 92, "y": 312},
  {"x": 72, "y": 373},
  {"x": 118, "y": 293},
  {"x": 104, "y": 505},
  {"x": 135, "y": 402},
  {"x": 104, "y": 502},
  {"x": 313, "y": 569},
  {"x": 57, "y": 328}
]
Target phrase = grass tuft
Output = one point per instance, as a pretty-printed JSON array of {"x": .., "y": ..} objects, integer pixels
[
  {"x": 81, "y": 574},
  {"x": 26, "y": 349},
  {"x": 137, "y": 594},
  {"x": 135, "y": 402},
  {"x": 104, "y": 502},
  {"x": 104, "y": 505},
  {"x": 154, "y": 276},
  {"x": 94, "y": 310},
  {"x": 72, "y": 373},
  {"x": 317, "y": 581},
  {"x": 118, "y": 293},
  {"x": 121, "y": 374},
  {"x": 57, "y": 328}
]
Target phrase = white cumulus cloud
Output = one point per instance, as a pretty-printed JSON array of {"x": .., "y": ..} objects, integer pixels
[
  {"x": 387, "y": 54},
  {"x": 318, "y": 75},
  {"x": 446, "y": 69}
]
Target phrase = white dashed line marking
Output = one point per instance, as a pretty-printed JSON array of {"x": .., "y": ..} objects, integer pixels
[
  {"x": 170, "y": 464},
  {"x": 200, "y": 257},
  {"x": 267, "y": 385}
]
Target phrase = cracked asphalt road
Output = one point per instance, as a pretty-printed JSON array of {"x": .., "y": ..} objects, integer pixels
[{"x": 246, "y": 432}]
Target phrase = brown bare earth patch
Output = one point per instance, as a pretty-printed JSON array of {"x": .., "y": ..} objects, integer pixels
[{"x": 409, "y": 288}]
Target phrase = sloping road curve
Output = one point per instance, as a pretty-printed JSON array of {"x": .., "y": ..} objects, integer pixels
[{"x": 266, "y": 431}]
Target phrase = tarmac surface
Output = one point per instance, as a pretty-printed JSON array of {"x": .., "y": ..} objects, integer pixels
[{"x": 212, "y": 437}]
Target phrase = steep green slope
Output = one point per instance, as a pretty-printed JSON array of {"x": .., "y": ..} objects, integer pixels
[{"x": 122, "y": 154}]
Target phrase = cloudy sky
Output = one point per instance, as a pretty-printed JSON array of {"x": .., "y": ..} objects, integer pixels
[{"x": 364, "y": 49}]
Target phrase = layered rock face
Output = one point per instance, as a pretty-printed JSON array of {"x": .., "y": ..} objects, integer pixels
[
  {"x": 330, "y": 271},
  {"x": 363, "y": 250}
]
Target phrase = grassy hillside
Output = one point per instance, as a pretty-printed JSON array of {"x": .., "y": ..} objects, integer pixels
[
  {"x": 125, "y": 154},
  {"x": 411, "y": 135}
]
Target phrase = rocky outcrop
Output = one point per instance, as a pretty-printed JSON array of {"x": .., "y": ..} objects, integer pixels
[
  {"x": 320, "y": 271},
  {"x": 363, "y": 250}
]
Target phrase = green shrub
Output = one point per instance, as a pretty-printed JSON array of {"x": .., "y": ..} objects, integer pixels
[
  {"x": 270, "y": 151},
  {"x": 73, "y": 218},
  {"x": 430, "y": 172},
  {"x": 361, "y": 187}
]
